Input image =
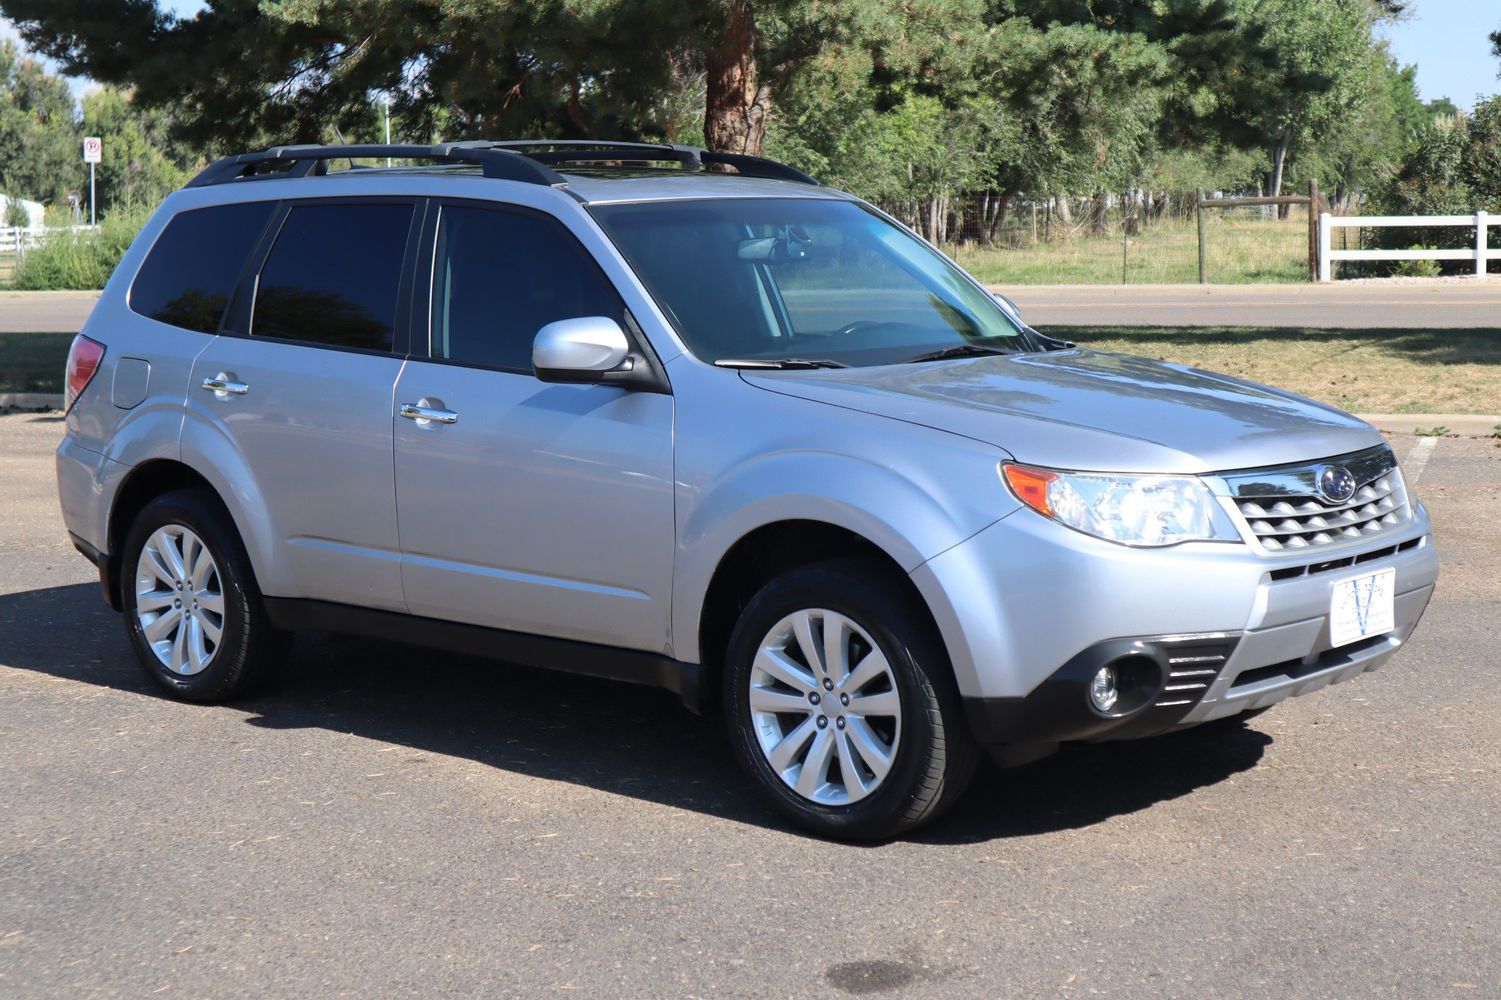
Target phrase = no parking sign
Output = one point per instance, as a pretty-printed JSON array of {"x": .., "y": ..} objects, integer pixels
[{"x": 93, "y": 149}]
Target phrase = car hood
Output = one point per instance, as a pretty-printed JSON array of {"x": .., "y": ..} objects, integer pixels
[{"x": 1087, "y": 410}]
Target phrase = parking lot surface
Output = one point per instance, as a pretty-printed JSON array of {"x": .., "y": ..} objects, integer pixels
[{"x": 391, "y": 822}]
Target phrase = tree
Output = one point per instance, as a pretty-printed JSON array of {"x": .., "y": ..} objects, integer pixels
[
  {"x": 294, "y": 69},
  {"x": 39, "y": 152},
  {"x": 1441, "y": 107},
  {"x": 135, "y": 170},
  {"x": 1482, "y": 154}
]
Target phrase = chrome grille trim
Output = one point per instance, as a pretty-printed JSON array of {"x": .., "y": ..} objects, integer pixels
[
  {"x": 1281, "y": 509},
  {"x": 1189, "y": 677}
]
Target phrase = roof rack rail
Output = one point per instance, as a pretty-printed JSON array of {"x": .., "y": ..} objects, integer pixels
[
  {"x": 693, "y": 157},
  {"x": 525, "y": 160},
  {"x": 501, "y": 164}
]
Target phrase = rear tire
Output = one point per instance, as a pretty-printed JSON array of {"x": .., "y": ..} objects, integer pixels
[
  {"x": 193, "y": 612},
  {"x": 841, "y": 704}
]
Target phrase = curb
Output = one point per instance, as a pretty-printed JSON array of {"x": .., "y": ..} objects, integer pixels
[
  {"x": 30, "y": 402},
  {"x": 1479, "y": 425}
]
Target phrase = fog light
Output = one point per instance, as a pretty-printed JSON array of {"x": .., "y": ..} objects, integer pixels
[{"x": 1103, "y": 690}]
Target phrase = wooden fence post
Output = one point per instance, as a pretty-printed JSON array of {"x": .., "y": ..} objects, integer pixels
[
  {"x": 1199, "y": 205},
  {"x": 1313, "y": 230}
]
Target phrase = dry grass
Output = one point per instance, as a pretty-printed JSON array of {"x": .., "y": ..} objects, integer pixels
[
  {"x": 1364, "y": 371},
  {"x": 1241, "y": 250}
]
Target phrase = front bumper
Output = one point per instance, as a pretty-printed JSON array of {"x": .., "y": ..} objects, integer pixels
[{"x": 1030, "y": 610}]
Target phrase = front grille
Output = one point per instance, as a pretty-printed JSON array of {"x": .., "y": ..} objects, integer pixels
[{"x": 1283, "y": 508}]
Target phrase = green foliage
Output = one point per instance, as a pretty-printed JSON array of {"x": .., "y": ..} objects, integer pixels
[
  {"x": 1441, "y": 108},
  {"x": 15, "y": 214},
  {"x": 910, "y": 101},
  {"x": 1482, "y": 154},
  {"x": 1418, "y": 268},
  {"x": 39, "y": 156},
  {"x": 83, "y": 259},
  {"x": 137, "y": 168}
]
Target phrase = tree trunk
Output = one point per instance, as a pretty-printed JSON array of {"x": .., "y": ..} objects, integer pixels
[
  {"x": 1065, "y": 218},
  {"x": 1279, "y": 163},
  {"x": 1099, "y": 221},
  {"x": 736, "y": 104},
  {"x": 999, "y": 219}
]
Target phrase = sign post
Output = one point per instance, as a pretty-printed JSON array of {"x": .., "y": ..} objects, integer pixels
[{"x": 93, "y": 152}]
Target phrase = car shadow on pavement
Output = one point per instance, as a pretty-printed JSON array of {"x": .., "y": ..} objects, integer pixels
[{"x": 632, "y": 741}]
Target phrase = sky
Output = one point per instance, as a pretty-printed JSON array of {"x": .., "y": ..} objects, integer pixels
[{"x": 1445, "y": 38}]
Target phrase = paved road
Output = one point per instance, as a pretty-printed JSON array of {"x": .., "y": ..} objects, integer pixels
[
  {"x": 391, "y": 823},
  {"x": 1448, "y": 303},
  {"x": 44, "y": 312}
]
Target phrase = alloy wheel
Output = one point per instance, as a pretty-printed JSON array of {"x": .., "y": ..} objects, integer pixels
[
  {"x": 179, "y": 599},
  {"x": 824, "y": 707}
]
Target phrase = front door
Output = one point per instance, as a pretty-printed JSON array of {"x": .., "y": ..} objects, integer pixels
[{"x": 539, "y": 508}]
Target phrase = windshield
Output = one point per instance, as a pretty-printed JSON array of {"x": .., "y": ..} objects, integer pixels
[{"x": 770, "y": 279}]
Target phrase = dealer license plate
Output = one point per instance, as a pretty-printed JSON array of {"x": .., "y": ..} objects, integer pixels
[{"x": 1362, "y": 607}]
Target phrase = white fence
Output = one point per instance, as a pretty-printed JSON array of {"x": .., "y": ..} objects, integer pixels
[
  {"x": 16, "y": 239},
  {"x": 1328, "y": 223}
]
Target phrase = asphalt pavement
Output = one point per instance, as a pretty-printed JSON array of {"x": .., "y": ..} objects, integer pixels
[
  {"x": 391, "y": 822},
  {"x": 1400, "y": 304}
]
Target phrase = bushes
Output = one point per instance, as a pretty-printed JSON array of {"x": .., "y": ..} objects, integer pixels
[
  {"x": 1453, "y": 169},
  {"x": 82, "y": 260}
]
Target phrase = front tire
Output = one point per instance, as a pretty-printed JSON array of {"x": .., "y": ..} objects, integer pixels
[
  {"x": 193, "y": 612},
  {"x": 841, "y": 704}
]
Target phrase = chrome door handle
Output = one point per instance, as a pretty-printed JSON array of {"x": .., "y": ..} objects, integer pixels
[
  {"x": 223, "y": 385},
  {"x": 421, "y": 411}
]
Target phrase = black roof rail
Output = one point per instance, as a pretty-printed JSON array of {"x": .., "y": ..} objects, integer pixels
[
  {"x": 692, "y": 157},
  {"x": 502, "y": 164},
  {"x": 526, "y": 160}
]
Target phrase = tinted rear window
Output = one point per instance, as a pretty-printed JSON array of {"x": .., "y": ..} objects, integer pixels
[
  {"x": 192, "y": 269},
  {"x": 332, "y": 276}
]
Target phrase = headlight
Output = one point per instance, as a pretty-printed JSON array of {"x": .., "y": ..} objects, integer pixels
[{"x": 1131, "y": 510}]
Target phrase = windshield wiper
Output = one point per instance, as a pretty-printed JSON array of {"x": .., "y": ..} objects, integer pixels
[
  {"x": 957, "y": 351},
  {"x": 779, "y": 363}
]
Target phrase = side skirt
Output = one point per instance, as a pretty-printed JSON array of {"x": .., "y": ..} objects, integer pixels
[{"x": 593, "y": 660}]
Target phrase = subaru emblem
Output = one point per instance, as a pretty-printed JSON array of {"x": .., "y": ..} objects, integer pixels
[{"x": 1336, "y": 483}]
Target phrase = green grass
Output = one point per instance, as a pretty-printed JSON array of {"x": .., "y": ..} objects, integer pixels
[
  {"x": 1365, "y": 371},
  {"x": 33, "y": 362},
  {"x": 1240, "y": 250},
  {"x": 78, "y": 260}
]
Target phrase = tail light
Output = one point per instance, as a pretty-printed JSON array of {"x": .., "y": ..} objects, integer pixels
[{"x": 83, "y": 364}]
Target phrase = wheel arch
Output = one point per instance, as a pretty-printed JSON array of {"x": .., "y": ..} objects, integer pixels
[
  {"x": 772, "y": 550},
  {"x": 145, "y": 483}
]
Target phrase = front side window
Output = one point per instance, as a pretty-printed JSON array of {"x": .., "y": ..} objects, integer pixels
[
  {"x": 194, "y": 265},
  {"x": 763, "y": 278},
  {"x": 501, "y": 276},
  {"x": 332, "y": 276}
]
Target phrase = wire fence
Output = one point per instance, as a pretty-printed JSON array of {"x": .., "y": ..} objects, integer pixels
[{"x": 1140, "y": 238}]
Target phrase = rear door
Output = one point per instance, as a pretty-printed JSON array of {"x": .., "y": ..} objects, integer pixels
[
  {"x": 294, "y": 401},
  {"x": 540, "y": 508}
]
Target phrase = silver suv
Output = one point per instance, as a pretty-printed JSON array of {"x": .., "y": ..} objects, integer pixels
[{"x": 692, "y": 420}]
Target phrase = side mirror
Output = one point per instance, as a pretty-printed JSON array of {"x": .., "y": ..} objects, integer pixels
[
  {"x": 587, "y": 349},
  {"x": 1008, "y": 307}
]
